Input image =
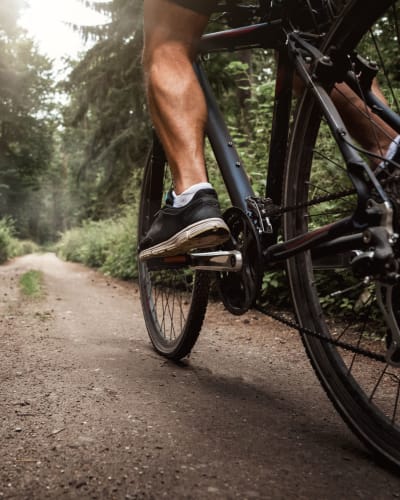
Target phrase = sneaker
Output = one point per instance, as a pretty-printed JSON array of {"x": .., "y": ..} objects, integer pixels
[{"x": 176, "y": 231}]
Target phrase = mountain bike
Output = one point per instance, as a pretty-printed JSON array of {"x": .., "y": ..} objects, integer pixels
[{"x": 329, "y": 215}]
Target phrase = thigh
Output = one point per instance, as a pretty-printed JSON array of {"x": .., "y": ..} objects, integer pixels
[
  {"x": 205, "y": 7},
  {"x": 167, "y": 21}
]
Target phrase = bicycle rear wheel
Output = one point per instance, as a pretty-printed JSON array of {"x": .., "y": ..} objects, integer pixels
[
  {"x": 327, "y": 297},
  {"x": 174, "y": 298}
]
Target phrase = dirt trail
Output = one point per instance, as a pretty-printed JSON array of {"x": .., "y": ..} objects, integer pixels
[{"x": 88, "y": 410}]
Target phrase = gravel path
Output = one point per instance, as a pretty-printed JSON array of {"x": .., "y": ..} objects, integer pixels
[{"x": 88, "y": 410}]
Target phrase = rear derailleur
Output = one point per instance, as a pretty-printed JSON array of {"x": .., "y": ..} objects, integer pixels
[{"x": 380, "y": 263}]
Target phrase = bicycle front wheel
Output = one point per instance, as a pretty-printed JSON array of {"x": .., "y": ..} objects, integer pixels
[
  {"x": 174, "y": 298},
  {"x": 327, "y": 297}
]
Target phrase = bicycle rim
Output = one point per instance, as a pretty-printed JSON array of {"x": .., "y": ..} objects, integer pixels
[
  {"x": 174, "y": 300},
  {"x": 326, "y": 296}
]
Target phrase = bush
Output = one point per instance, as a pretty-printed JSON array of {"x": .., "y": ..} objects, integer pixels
[
  {"x": 8, "y": 243},
  {"x": 109, "y": 245},
  {"x": 25, "y": 247},
  {"x": 121, "y": 259},
  {"x": 10, "y": 246}
]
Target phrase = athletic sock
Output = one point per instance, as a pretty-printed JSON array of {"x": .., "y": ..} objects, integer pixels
[
  {"x": 180, "y": 200},
  {"x": 391, "y": 152}
]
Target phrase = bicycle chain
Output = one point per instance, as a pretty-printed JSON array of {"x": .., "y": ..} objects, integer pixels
[
  {"x": 321, "y": 199},
  {"x": 275, "y": 211},
  {"x": 306, "y": 331}
]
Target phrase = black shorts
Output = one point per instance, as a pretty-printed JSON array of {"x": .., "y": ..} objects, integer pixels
[{"x": 206, "y": 7}]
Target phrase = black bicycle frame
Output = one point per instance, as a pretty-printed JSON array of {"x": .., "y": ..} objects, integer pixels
[{"x": 330, "y": 238}]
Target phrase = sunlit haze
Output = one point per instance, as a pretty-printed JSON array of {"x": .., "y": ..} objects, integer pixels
[{"x": 45, "y": 21}]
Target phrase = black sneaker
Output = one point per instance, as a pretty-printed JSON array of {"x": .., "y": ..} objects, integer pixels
[{"x": 176, "y": 231}]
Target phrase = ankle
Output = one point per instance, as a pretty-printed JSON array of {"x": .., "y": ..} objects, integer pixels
[
  {"x": 186, "y": 196},
  {"x": 392, "y": 151}
]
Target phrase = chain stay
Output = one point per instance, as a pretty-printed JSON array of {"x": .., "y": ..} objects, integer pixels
[{"x": 276, "y": 211}]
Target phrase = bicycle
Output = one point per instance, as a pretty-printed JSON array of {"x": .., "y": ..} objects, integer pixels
[{"x": 337, "y": 234}]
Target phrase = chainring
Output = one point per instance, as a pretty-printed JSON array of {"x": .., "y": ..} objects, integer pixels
[{"x": 240, "y": 290}]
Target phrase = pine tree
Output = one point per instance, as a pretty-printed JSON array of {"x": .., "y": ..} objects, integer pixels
[
  {"x": 25, "y": 129},
  {"x": 108, "y": 105}
]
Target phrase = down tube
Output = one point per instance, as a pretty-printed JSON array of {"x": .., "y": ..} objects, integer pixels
[{"x": 233, "y": 173}]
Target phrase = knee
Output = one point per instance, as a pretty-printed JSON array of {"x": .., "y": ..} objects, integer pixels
[
  {"x": 166, "y": 53},
  {"x": 163, "y": 60},
  {"x": 152, "y": 56}
]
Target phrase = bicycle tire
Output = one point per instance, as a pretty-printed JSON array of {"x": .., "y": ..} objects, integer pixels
[
  {"x": 364, "y": 392},
  {"x": 174, "y": 300}
]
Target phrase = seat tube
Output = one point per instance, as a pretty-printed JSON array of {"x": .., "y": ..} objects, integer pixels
[
  {"x": 280, "y": 126},
  {"x": 231, "y": 167}
]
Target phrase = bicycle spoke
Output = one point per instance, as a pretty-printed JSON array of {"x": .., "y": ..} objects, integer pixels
[
  {"x": 356, "y": 362},
  {"x": 384, "y": 69},
  {"x": 336, "y": 164}
]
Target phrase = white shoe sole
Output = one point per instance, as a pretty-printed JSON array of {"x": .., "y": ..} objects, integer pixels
[{"x": 203, "y": 234}]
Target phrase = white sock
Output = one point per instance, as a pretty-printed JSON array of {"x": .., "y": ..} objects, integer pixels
[
  {"x": 180, "y": 200},
  {"x": 391, "y": 151}
]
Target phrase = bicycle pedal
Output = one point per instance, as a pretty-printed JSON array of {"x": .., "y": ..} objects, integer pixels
[{"x": 228, "y": 261}]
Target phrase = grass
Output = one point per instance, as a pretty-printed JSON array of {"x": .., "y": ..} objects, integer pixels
[{"x": 31, "y": 284}]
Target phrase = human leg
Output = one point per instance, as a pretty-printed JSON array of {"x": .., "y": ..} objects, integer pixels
[
  {"x": 370, "y": 131},
  {"x": 366, "y": 128},
  {"x": 176, "y": 101},
  {"x": 178, "y": 109},
  {"x": 202, "y": 6}
]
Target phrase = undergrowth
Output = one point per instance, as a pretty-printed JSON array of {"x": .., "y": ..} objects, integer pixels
[
  {"x": 10, "y": 246},
  {"x": 109, "y": 245}
]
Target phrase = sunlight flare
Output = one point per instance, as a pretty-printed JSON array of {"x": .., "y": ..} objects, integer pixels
[{"x": 47, "y": 21}]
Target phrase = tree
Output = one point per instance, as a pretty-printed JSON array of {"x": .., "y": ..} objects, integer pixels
[
  {"x": 25, "y": 126},
  {"x": 107, "y": 106}
]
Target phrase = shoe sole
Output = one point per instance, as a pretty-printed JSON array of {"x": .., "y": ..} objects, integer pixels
[{"x": 203, "y": 234}]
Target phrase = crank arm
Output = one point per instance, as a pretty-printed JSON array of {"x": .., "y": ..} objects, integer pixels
[{"x": 230, "y": 261}]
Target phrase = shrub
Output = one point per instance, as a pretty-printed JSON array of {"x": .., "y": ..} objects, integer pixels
[
  {"x": 121, "y": 258},
  {"x": 8, "y": 243},
  {"x": 25, "y": 247},
  {"x": 109, "y": 245}
]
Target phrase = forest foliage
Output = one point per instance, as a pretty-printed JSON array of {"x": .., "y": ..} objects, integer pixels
[
  {"x": 71, "y": 166},
  {"x": 76, "y": 162},
  {"x": 26, "y": 125}
]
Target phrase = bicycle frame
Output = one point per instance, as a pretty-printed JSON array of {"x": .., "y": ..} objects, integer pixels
[
  {"x": 346, "y": 234},
  {"x": 343, "y": 278}
]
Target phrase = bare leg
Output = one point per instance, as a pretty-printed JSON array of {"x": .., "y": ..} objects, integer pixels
[
  {"x": 179, "y": 113},
  {"x": 370, "y": 131},
  {"x": 176, "y": 101},
  {"x": 364, "y": 126}
]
